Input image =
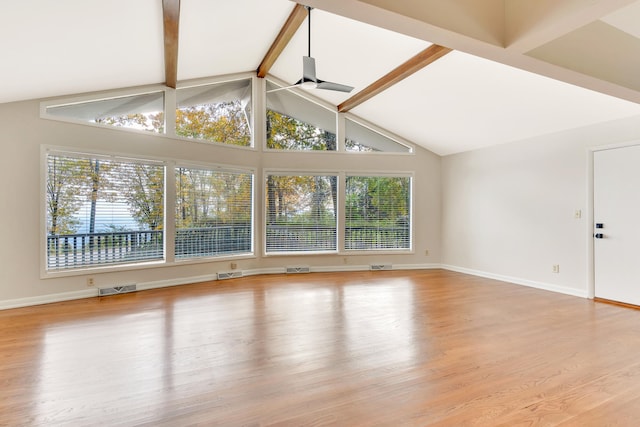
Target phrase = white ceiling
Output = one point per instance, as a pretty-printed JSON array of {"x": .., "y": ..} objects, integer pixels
[
  {"x": 460, "y": 102},
  {"x": 463, "y": 102},
  {"x": 52, "y": 48},
  {"x": 626, "y": 19}
]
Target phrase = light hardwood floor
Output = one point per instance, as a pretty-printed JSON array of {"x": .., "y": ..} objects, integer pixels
[{"x": 350, "y": 349}]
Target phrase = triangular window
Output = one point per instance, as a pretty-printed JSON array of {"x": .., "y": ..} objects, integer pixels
[
  {"x": 142, "y": 112},
  {"x": 363, "y": 139},
  {"x": 295, "y": 123},
  {"x": 218, "y": 112}
]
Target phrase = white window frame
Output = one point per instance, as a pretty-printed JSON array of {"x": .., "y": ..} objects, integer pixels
[
  {"x": 80, "y": 153},
  {"x": 210, "y": 82},
  {"x": 393, "y": 137},
  {"x": 169, "y": 220},
  {"x": 99, "y": 96},
  {"x": 294, "y": 172},
  {"x": 169, "y": 107},
  {"x": 377, "y": 174},
  {"x": 309, "y": 98},
  {"x": 341, "y": 210},
  {"x": 221, "y": 168}
]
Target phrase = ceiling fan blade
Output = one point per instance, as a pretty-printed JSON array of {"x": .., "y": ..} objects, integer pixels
[
  {"x": 333, "y": 86},
  {"x": 283, "y": 88},
  {"x": 309, "y": 69}
]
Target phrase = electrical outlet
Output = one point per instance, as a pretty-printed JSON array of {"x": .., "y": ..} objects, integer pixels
[
  {"x": 426, "y": 252},
  {"x": 90, "y": 282},
  {"x": 556, "y": 268},
  {"x": 577, "y": 214},
  {"x": 234, "y": 265}
]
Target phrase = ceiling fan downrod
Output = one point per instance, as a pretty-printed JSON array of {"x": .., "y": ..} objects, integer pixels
[{"x": 309, "y": 9}]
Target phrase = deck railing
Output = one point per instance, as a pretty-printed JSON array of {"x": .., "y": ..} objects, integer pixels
[
  {"x": 83, "y": 250},
  {"x": 300, "y": 237},
  {"x": 368, "y": 237},
  {"x": 305, "y": 237},
  {"x": 212, "y": 241}
]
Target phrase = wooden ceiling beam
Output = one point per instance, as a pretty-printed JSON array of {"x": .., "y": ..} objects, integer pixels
[
  {"x": 295, "y": 19},
  {"x": 171, "y": 21},
  {"x": 421, "y": 60}
]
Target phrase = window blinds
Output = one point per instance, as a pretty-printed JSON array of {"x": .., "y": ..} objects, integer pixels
[
  {"x": 377, "y": 213},
  {"x": 301, "y": 213},
  {"x": 103, "y": 211},
  {"x": 214, "y": 212}
]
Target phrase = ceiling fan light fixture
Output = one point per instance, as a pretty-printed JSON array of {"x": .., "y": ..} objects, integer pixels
[{"x": 309, "y": 85}]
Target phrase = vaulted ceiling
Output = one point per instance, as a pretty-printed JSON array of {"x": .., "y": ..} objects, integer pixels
[{"x": 518, "y": 68}]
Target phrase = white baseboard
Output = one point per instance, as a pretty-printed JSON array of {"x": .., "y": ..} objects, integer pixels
[
  {"x": 515, "y": 280},
  {"x": 417, "y": 266},
  {"x": 143, "y": 286},
  {"x": 259, "y": 271},
  {"x": 93, "y": 292},
  {"x": 47, "y": 299},
  {"x": 339, "y": 268},
  {"x": 88, "y": 293}
]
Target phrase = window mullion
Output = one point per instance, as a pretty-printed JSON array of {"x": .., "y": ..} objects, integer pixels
[
  {"x": 341, "y": 216},
  {"x": 170, "y": 106},
  {"x": 169, "y": 208}
]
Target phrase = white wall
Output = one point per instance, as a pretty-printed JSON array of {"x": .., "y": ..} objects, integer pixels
[
  {"x": 504, "y": 212},
  {"x": 508, "y": 211},
  {"x": 24, "y": 132}
]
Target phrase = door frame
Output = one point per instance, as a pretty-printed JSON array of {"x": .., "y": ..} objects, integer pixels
[{"x": 591, "y": 260}]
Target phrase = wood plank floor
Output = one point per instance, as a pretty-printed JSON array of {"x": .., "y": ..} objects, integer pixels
[{"x": 381, "y": 348}]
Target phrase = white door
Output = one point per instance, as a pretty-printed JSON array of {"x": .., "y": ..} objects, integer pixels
[{"x": 617, "y": 224}]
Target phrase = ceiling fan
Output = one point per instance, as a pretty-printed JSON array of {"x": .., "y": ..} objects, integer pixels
[{"x": 309, "y": 79}]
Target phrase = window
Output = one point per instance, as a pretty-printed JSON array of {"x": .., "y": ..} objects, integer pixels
[
  {"x": 377, "y": 213},
  {"x": 301, "y": 213},
  {"x": 213, "y": 212},
  {"x": 142, "y": 112},
  {"x": 294, "y": 123},
  {"x": 218, "y": 112},
  {"x": 102, "y": 211},
  {"x": 361, "y": 138}
]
